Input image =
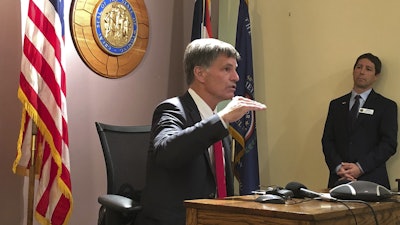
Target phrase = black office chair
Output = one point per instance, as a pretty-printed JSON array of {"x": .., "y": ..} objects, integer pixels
[{"x": 125, "y": 153}]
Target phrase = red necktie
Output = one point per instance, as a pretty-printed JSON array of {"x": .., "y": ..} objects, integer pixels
[{"x": 219, "y": 169}]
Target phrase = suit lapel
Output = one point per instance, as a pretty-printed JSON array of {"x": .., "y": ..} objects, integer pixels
[
  {"x": 193, "y": 116},
  {"x": 344, "y": 110}
]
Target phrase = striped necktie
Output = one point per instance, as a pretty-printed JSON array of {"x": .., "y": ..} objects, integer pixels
[{"x": 354, "y": 110}]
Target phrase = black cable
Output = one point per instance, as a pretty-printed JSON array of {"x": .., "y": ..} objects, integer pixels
[
  {"x": 350, "y": 210},
  {"x": 290, "y": 201},
  {"x": 293, "y": 202},
  {"x": 365, "y": 203}
]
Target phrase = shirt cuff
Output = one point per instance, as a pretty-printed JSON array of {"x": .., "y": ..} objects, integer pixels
[
  {"x": 359, "y": 166},
  {"x": 338, "y": 168},
  {"x": 223, "y": 122}
]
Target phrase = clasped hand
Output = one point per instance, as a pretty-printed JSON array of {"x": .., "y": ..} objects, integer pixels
[{"x": 349, "y": 171}]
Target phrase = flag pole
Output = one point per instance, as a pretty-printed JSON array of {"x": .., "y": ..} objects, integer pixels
[
  {"x": 203, "y": 2},
  {"x": 32, "y": 174},
  {"x": 233, "y": 150}
]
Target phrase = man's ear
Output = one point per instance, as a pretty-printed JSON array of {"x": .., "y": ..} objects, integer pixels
[{"x": 199, "y": 73}]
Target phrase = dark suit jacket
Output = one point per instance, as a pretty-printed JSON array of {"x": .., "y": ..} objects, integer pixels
[
  {"x": 371, "y": 142},
  {"x": 179, "y": 166}
]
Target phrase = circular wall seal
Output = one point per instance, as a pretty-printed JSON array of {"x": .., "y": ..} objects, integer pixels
[
  {"x": 115, "y": 26},
  {"x": 111, "y": 36}
]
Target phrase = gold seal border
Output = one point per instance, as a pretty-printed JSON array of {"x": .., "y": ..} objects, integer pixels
[{"x": 92, "y": 54}]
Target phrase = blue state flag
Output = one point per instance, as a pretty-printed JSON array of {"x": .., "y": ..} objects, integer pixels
[{"x": 244, "y": 130}]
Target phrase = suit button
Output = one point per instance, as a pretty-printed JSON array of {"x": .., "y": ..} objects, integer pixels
[{"x": 211, "y": 195}]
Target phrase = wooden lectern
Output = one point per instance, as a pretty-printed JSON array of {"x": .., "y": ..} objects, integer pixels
[{"x": 243, "y": 210}]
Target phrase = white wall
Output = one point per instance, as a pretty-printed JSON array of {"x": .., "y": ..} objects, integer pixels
[{"x": 303, "y": 52}]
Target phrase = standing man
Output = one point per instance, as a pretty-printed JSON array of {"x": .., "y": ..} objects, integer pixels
[
  {"x": 181, "y": 160},
  {"x": 357, "y": 141}
]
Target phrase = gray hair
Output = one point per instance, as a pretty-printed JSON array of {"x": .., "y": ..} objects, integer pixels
[{"x": 202, "y": 52}]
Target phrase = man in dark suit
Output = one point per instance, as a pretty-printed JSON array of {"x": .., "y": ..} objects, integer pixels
[
  {"x": 357, "y": 148},
  {"x": 181, "y": 159}
]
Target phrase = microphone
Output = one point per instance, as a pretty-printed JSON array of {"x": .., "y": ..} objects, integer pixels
[{"x": 301, "y": 191}]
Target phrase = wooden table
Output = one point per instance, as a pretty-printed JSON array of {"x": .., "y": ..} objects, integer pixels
[{"x": 243, "y": 210}]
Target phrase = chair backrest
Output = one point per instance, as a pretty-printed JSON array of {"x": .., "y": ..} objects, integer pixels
[{"x": 125, "y": 152}]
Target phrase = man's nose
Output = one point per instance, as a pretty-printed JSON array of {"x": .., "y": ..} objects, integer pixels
[{"x": 236, "y": 76}]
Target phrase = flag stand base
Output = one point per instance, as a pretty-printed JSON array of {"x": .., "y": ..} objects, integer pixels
[{"x": 32, "y": 170}]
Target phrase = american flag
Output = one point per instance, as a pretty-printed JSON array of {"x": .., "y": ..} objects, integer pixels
[
  {"x": 201, "y": 27},
  {"x": 42, "y": 92}
]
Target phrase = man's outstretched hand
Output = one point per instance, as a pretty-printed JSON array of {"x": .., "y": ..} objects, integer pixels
[{"x": 238, "y": 107}]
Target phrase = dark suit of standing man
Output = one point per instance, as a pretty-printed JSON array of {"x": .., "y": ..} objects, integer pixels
[
  {"x": 359, "y": 150},
  {"x": 180, "y": 158}
]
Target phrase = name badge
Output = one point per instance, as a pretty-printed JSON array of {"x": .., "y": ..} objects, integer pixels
[{"x": 366, "y": 111}]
